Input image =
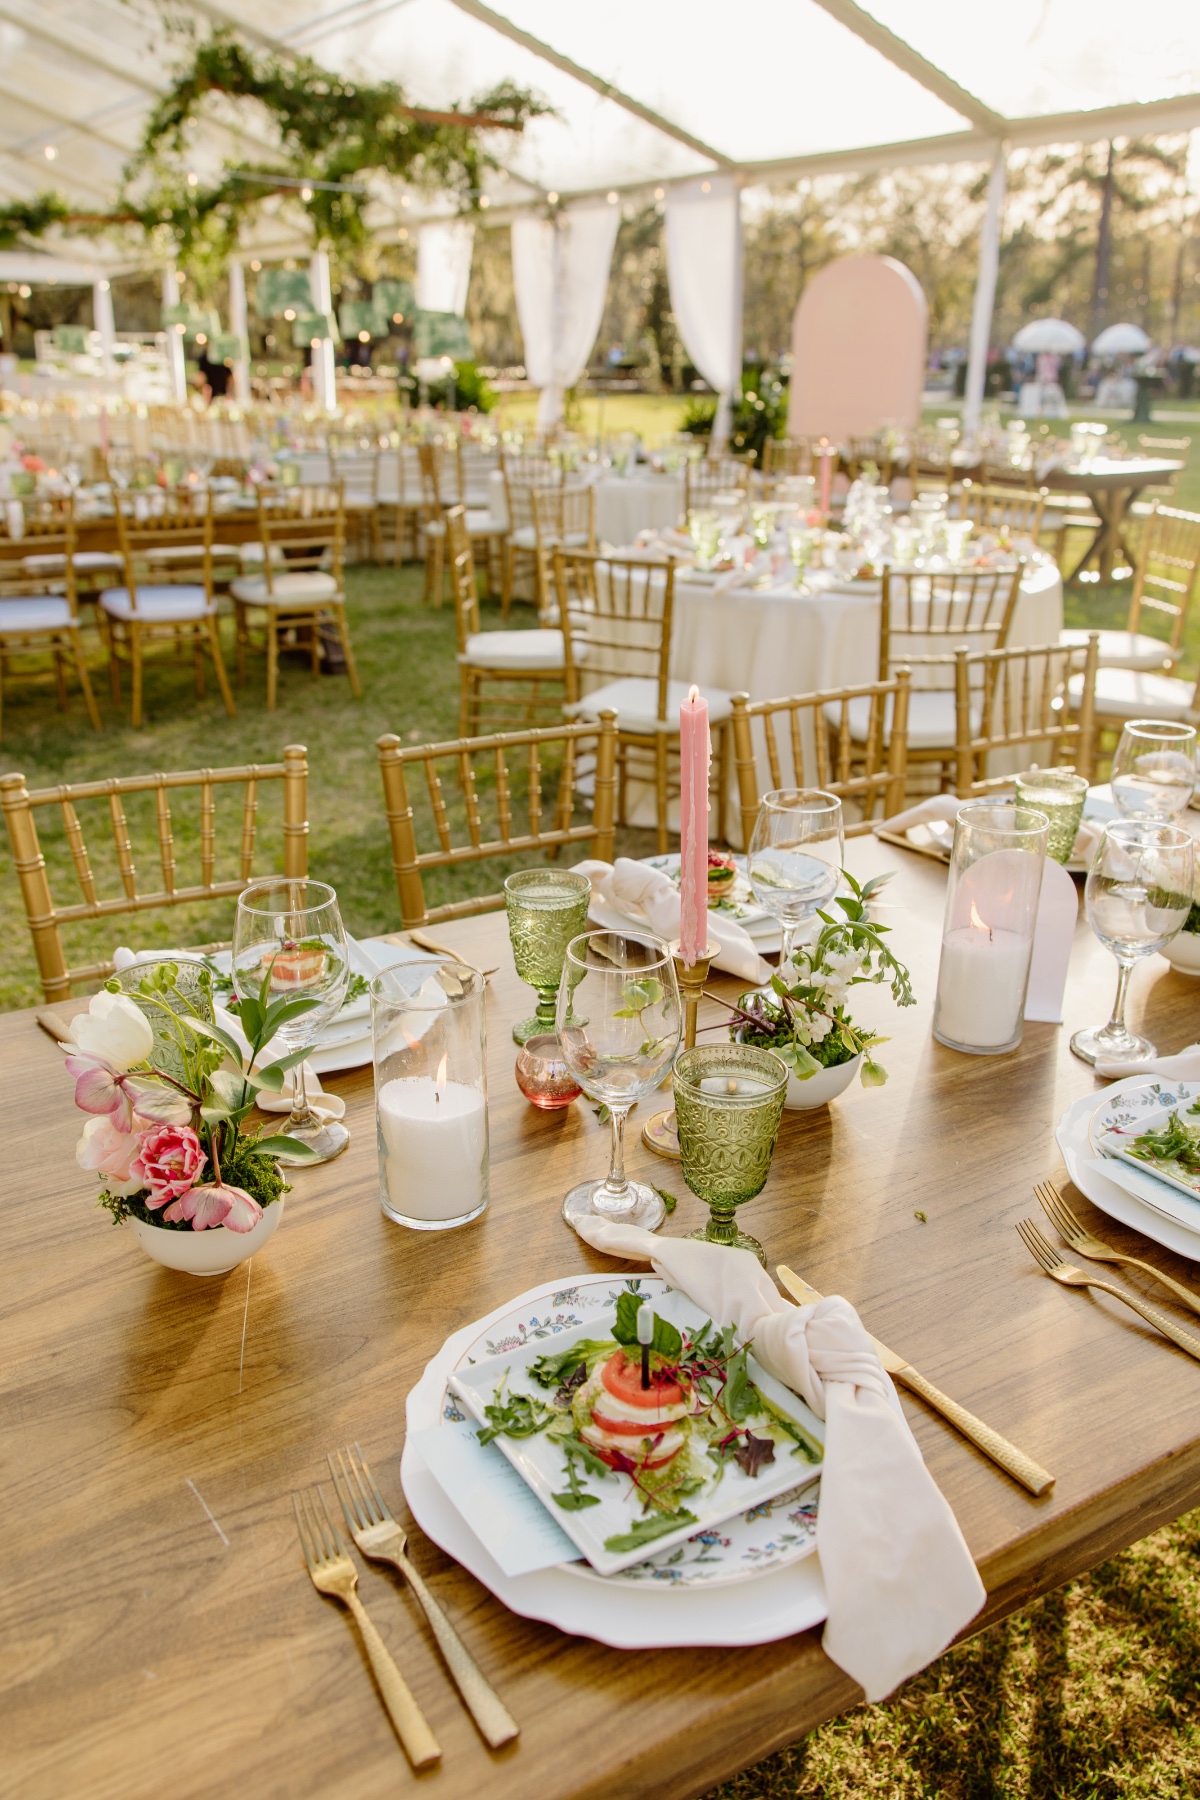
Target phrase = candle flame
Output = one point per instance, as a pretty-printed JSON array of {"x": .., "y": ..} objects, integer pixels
[
  {"x": 693, "y": 694},
  {"x": 440, "y": 1086},
  {"x": 977, "y": 923}
]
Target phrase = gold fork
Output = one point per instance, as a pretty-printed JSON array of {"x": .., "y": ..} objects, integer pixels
[
  {"x": 1079, "y": 1239},
  {"x": 378, "y": 1536},
  {"x": 1047, "y": 1257},
  {"x": 335, "y": 1575}
]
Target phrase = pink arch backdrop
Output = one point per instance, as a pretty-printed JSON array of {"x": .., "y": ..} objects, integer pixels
[{"x": 858, "y": 350}]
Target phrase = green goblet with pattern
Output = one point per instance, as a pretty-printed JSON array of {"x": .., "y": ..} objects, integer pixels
[
  {"x": 546, "y": 909},
  {"x": 728, "y": 1104}
]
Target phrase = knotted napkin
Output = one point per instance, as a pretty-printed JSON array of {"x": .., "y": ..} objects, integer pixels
[
  {"x": 944, "y": 808},
  {"x": 1183, "y": 1067},
  {"x": 900, "y": 1582},
  {"x": 635, "y": 886}
]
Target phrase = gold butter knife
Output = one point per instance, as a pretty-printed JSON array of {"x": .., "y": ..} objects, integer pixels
[{"x": 1014, "y": 1462}]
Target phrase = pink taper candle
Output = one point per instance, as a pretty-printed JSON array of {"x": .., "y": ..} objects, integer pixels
[
  {"x": 695, "y": 751},
  {"x": 826, "y": 490}
]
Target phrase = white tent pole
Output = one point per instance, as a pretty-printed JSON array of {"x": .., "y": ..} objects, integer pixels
[
  {"x": 238, "y": 324},
  {"x": 176, "y": 362},
  {"x": 323, "y": 366},
  {"x": 985, "y": 290},
  {"x": 102, "y": 320}
]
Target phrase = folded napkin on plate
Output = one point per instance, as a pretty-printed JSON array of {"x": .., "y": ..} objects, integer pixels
[
  {"x": 944, "y": 808},
  {"x": 1183, "y": 1067},
  {"x": 899, "y": 1579},
  {"x": 629, "y": 885}
]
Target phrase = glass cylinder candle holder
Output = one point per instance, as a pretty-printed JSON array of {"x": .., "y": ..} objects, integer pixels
[
  {"x": 1060, "y": 794},
  {"x": 728, "y": 1104},
  {"x": 427, "y": 1030},
  {"x": 987, "y": 938}
]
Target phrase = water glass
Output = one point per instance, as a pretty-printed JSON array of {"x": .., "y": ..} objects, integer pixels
[
  {"x": 955, "y": 533},
  {"x": 290, "y": 933},
  {"x": 1154, "y": 770},
  {"x": 802, "y": 544},
  {"x": 795, "y": 857},
  {"x": 1138, "y": 895},
  {"x": 705, "y": 529},
  {"x": 728, "y": 1104},
  {"x": 168, "y": 988},
  {"x": 1060, "y": 794},
  {"x": 430, "y": 1055},
  {"x": 619, "y": 1020},
  {"x": 546, "y": 909}
]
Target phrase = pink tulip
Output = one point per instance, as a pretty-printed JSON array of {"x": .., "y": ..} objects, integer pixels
[
  {"x": 168, "y": 1162},
  {"x": 216, "y": 1203}
]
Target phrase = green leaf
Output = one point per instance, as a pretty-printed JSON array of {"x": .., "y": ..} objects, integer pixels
[
  {"x": 872, "y": 1074},
  {"x": 666, "y": 1341},
  {"x": 740, "y": 1397},
  {"x": 271, "y": 1074},
  {"x": 281, "y": 1012},
  {"x": 250, "y": 1018},
  {"x": 645, "y": 1531},
  {"x": 668, "y": 1200},
  {"x": 519, "y": 1416},
  {"x": 921, "y": 1216},
  {"x": 555, "y": 1367},
  {"x": 280, "y": 1145},
  {"x": 216, "y": 1035},
  {"x": 575, "y": 1502}
]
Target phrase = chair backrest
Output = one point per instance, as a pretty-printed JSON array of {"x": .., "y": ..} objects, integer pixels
[
  {"x": 441, "y": 478},
  {"x": 1168, "y": 571},
  {"x": 494, "y": 775},
  {"x": 565, "y": 515},
  {"x": 931, "y": 453},
  {"x": 924, "y": 617},
  {"x": 1018, "y": 699},
  {"x": 1013, "y": 511},
  {"x": 45, "y": 534},
  {"x": 45, "y": 919},
  {"x": 620, "y": 607},
  {"x": 852, "y": 742},
  {"x": 715, "y": 475},
  {"x": 463, "y": 584},
  {"x": 165, "y": 537},
  {"x": 301, "y": 527},
  {"x": 1170, "y": 447},
  {"x": 787, "y": 456},
  {"x": 356, "y": 468}
]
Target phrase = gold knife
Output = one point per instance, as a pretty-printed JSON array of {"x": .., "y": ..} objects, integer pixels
[
  {"x": 1014, "y": 1462},
  {"x": 56, "y": 1027}
]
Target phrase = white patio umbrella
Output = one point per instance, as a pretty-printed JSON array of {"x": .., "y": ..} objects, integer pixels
[
  {"x": 1121, "y": 340},
  {"x": 1052, "y": 335}
]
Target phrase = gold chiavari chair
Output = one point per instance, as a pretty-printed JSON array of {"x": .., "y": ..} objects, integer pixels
[
  {"x": 354, "y": 468},
  {"x": 523, "y": 673},
  {"x": 441, "y": 488},
  {"x": 563, "y": 515},
  {"x": 534, "y": 772},
  {"x": 401, "y": 505},
  {"x": 302, "y": 530},
  {"x": 1164, "y": 585},
  {"x": 1037, "y": 699},
  {"x": 862, "y": 453},
  {"x": 39, "y": 610},
  {"x": 1162, "y": 492},
  {"x": 46, "y": 920},
  {"x": 525, "y": 474},
  {"x": 166, "y": 543},
  {"x": 1009, "y": 511},
  {"x": 787, "y": 456},
  {"x": 703, "y": 481},
  {"x": 619, "y": 613},
  {"x": 931, "y": 454},
  {"x": 852, "y": 742}
]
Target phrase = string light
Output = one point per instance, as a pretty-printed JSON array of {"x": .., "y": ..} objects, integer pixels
[
  {"x": 51, "y": 153},
  {"x": 306, "y": 193}
]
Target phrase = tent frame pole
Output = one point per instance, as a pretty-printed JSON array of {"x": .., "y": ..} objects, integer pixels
[{"x": 985, "y": 291}]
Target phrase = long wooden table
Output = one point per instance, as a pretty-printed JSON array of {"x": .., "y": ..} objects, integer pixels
[
  {"x": 1111, "y": 485},
  {"x": 158, "y": 1633}
]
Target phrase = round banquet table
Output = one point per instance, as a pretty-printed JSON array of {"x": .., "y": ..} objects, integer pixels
[{"x": 625, "y": 504}]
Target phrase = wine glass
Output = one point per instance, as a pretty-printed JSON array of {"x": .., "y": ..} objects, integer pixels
[
  {"x": 795, "y": 857},
  {"x": 1139, "y": 892},
  {"x": 1154, "y": 770},
  {"x": 547, "y": 908},
  {"x": 291, "y": 933},
  {"x": 619, "y": 1021}
]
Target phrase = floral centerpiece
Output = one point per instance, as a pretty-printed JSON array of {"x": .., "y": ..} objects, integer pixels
[
  {"x": 173, "y": 1151},
  {"x": 803, "y": 1018}
]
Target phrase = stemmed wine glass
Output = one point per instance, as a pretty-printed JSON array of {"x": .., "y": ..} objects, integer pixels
[
  {"x": 1139, "y": 892},
  {"x": 619, "y": 1021},
  {"x": 1154, "y": 770},
  {"x": 795, "y": 857},
  {"x": 290, "y": 933}
]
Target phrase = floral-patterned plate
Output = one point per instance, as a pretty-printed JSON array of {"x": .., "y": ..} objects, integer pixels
[
  {"x": 772, "y": 1535},
  {"x": 1120, "y": 1118}
]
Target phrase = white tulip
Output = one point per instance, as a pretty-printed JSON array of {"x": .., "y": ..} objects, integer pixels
[{"x": 114, "y": 1031}]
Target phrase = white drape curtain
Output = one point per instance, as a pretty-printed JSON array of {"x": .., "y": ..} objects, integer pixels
[
  {"x": 444, "y": 265},
  {"x": 704, "y": 268},
  {"x": 560, "y": 274}
]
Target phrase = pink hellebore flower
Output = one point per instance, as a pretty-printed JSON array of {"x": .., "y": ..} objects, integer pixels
[
  {"x": 216, "y": 1204},
  {"x": 168, "y": 1162},
  {"x": 113, "y": 1036},
  {"x": 107, "y": 1150}
]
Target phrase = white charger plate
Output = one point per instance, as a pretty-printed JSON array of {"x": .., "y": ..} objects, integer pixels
[{"x": 1145, "y": 1204}]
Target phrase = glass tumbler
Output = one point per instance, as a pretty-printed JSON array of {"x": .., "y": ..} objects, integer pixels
[
  {"x": 987, "y": 937},
  {"x": 166, "y": 989},
  {"x": 728, "y": 1104},
  {"x": 427, "y": 1030},
  {"x": 1060, "y": 794},
  {"x": 1154, "y": 769},
  {"x": 546, "y": 909}
]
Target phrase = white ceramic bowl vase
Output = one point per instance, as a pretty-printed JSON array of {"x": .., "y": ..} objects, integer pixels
[
  {"x": 1183, "y": 952},
  {"x": 212, "y": 1252},
  {"x": 821, "y": 1088}
]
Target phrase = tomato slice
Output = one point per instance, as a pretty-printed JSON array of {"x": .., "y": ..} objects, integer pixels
[{"x": 622, "y": 1376}]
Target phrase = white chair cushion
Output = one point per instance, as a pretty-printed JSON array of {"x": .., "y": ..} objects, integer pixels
[
  {"x": 1124, "y": 649},
  {"x": 305, "y": 585},
  {"x": 525, "y": 650},
  {"x": 37, "y": 613},
  {"x": 83, "y": 559},
  {"x": 635, "y": 701},
  {"x": 168, "y": 553},
  {"x": 525, "y": 538},
  {"x": 932, "y": 723},
  {"x": 253, "y": 553},
  {"x": 480, "y": 523},
  {"x": 159, "y": 605},
  {"x": 1136, "y": 694}
]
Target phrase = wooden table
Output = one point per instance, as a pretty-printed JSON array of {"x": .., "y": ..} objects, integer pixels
[
  {"x": 148, "y": 1649},
  {"x": 1111, "y": 485}
]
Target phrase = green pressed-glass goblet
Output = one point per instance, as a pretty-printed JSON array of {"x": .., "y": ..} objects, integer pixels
[
  {"x": 546, "y": 909},
  {"x": 728, "y": 1104}
]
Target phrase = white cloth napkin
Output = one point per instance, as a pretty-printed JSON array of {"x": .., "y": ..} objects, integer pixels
[
  {"x": 899, "y": 1579},
  {"x": 944, "y": 807},
  {"x": 629, "y": 885},
  {"x": 1183, "y": 1067}
]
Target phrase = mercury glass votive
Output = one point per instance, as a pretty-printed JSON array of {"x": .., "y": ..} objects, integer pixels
[
  {"x": 728, "y": 1104},
  {"x": 542, "y": 1073},
  {"x": 1060, "y": 794},
  {"x": 546, "y": 909}
]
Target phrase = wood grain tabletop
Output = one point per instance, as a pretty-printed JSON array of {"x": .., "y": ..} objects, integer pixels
[{"x": 158, "y": 1633}]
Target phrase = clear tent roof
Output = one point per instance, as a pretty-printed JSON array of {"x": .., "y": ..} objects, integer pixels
[{"x": 644, "y": 93}]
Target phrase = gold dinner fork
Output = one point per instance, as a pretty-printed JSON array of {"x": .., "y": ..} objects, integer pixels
[
  {"x": 1083, "y": 1243},
  {"x": 1048, "y": 1258},
  {"x": 335, "y": 1575},
  {"x": 378, "y": 1536}
]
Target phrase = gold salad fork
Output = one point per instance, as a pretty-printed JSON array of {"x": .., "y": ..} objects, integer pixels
[
  {"x": 1079, "y": 1239},
  {"x": 1048, "y": 1258},
  {"x": 335, "y": 1575},
  {"x": 378, "y": 1536}
]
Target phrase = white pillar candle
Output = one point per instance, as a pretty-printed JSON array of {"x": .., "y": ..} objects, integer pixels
[
  {"x": 435, "y": 1147},
  {"x": 981, "y": 986}
]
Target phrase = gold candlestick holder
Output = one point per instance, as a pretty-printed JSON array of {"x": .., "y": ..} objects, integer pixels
[{"x": 659, "y": 1133}]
